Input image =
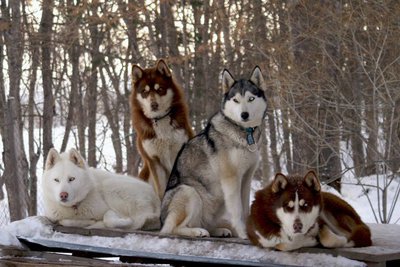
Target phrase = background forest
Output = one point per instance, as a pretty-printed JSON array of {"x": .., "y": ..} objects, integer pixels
[{"x": 332, "y": 68}]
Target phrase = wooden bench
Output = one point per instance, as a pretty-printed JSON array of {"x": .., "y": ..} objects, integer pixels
[
  {"x": 385, "y": 249},
  {"x": 384, "y": 252}
]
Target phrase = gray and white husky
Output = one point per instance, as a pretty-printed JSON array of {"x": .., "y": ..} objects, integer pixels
[{"x": 209, "y": 186}]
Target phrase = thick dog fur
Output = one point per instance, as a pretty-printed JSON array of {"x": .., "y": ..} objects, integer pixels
[
  {"x": 161, "y": 122},
  {"x": 76, "y": 195},
  {"x": 292, "y": 212},
  {"x": 209, "y": 187}
]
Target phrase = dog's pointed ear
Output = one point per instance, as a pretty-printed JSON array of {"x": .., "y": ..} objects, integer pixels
[
  {"x": 163, "y": 68},
  {"x": 279, "y": 183},
  {"x": 52, "y": 158},
  {"x": 312, "y": 181},
  {"x": 227, "y": 81},
  {"x": 76, "y": 158},
  {"x": 137, "y": 73},
  {"x": 258, "y": 79}
]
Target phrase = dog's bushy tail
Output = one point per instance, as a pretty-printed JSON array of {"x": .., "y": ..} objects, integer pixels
[{"x": 361, "y": 236}]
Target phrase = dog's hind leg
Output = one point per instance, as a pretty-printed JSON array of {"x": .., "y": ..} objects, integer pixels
[
  {"x": 184, "y": 214},
  {"x": 113, "y": 220},
  {"x": 232, "y": 196},
  {"x": 331, "y": 240},
  {"x": 152, "y": 223}
]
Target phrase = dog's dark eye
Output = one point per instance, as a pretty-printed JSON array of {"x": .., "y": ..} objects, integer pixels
[
  {"x": 70, "y": 179},
  {"x": 251, "y": 99},
  {"x": 305, "y": 207},
  {"x": 235, "y": 100},
  {"x": 56, "y": 179},
  {"x": 288, "y": 207}
]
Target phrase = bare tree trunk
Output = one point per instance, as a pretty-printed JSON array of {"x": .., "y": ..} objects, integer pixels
[
  {"x": 286, "y": 139},
  {"x": 304, "y": 110},
  {"x": 73, "y": 51},
  {"x": 372, "y": 131},
  {"x": 96, "y": 37},
  {"x": 265, "y": 164},
  {"x": 132, "y": 156},
  {"x": 16, "y": 165},
  {"x": 200, "y": 83},
  {"x": 392, "y": 126},
  {"x": 273, "y": 142},
  {"x": 46, "y": 25},
  {"x": 352, "y": 95},
  {"x": 170, "y": 36},
  {"x": 115, "y": 136},
  {"x": 3, "y": 104},
  {"x": 329, "y": 159},
  {"x": 223, "y": 18},
  {"x": 82, "y": 122},
  {"x": 33, "y": 155}
]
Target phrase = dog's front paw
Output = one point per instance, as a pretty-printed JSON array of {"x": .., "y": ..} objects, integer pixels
[
  {"x": 284, "y": 247},
  {"x": 241, "y": 233},
  {"x": 191, "y": 232},
  {"x": 221, "y": 232},
  {"x": 200, "y": 232}
]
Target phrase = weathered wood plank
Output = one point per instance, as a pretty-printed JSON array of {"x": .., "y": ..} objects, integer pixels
[
  {"x": 121, "y": 233},
  {"x": 131, "y": 255},
  {"x": 386, "y": 242},
  {"x": 385, "y": 249},
  {"x": 386, "y": 246},
  {"x": 28, "y": 258}
]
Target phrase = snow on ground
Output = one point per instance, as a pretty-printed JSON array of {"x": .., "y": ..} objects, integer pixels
[
  {"x": 37, "y": 227},
  {"x": 354, "y": 194}
]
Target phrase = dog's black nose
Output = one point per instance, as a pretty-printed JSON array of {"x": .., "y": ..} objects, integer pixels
[
  {"x": 297, "y": 226},
  {"x": 154, "y": 106},
  {"x": 244, "y": 115}
]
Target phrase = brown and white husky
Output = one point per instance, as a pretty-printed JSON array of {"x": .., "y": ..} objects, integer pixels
[
  {"x": 161, "y": 121},
  {"x": 292, "y": 212}
]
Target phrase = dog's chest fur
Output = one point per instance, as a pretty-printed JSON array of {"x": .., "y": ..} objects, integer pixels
[
  {"x": 233, "y": 155},
  {"x": 167, "y": 141},
  {"x": 234, "y": 162}
]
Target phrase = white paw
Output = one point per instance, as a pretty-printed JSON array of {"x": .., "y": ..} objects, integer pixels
[
  {"x": 289, "y": 246},
  {"x": 200, "y": 232},
  {"x": 284, "y": 247},
  {"x": 241, "y": 233},
  {"x": 222, "y": 232}
]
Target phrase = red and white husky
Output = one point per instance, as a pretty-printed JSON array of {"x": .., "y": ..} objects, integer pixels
[
  {"x": 292, "y": 212},
  {"x": 161, "y": 121}
]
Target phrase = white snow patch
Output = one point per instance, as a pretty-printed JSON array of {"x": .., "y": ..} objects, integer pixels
[{"x": 37, "y": 227}]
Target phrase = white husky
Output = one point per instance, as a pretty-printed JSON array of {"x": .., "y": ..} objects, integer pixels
[{"x": 76, "y": 195}]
